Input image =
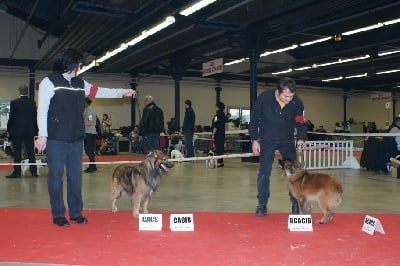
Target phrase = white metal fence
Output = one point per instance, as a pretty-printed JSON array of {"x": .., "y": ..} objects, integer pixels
[{"x": 328, "y": 154}]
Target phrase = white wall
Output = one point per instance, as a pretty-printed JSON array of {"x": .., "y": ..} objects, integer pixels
[{"x": 323, "y": 107}]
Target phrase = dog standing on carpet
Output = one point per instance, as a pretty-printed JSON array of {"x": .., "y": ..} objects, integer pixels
[
  {"x": 25, "y": 166},
  {"x": 210, "y": 162},
  {"x": 139, "y": 181},
  {"x": 176, "y": 154},
  {"x": 308, "y": 188}
]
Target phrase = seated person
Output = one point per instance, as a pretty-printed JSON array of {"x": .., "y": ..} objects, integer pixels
[
  {"x": 136, "y": 142},
  {"x": 390, "y": 147},
  {"x": 171, "y": 126}
]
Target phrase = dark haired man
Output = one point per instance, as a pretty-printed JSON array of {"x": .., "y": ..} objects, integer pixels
[
  {"x": 62, "y": 130},
  {"x": 273, "y": 120},
  {"x": 22, "y": 128},
  {"x": 151, "y": 124},
  {"x": 188, "y": 128}
]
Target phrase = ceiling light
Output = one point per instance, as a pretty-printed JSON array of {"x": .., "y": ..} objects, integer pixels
[
  {"x": 294, "y": 46},
  {"x": 390, "y": 22},
  {"x": 168, "y": 21},
  {"x": 357, "y": 76},
  {"x": 282, "y": 72},
  {"x": 388, "y": 71},
  {"x": 316, "y": 41},
  {"x": 332, "y": 79},
  {"x": 302, "y": 68},
  {"x": 388, "y": 52},
  {"x": 375, "y": 26},
  {"x": 236, "y": 61},
  {"x": 196, "y": 7}
]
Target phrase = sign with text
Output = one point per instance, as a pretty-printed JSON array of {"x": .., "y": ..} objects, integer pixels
[
  {"x": 212, "y": 67},
  {"x": 300, "y": 222},
  {"x": 181, "y": 222},
  {"x": 150, "y": 222},
  {"x": 372, "y": 224}
]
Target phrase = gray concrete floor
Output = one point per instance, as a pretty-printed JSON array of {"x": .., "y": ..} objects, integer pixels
[{"x": 191, "y": 187}]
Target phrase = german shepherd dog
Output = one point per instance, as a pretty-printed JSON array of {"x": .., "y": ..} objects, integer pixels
[
  {"x": 139, "y": 181},
  {"x": 308, "y": 188}
]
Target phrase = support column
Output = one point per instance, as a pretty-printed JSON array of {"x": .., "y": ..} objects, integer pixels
[
  {"x": 218, "y": 90},
  {"x": 253, "y": 75},
  {"x": 134, "y": 102},
  {"x": 32, "y": 86},
  {"x": 394, "y": 107},
  {"x": 177, "y": 78},
  {"x": 345, "y": 97}
]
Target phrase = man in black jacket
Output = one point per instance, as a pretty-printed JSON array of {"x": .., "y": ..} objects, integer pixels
[
  {"x": 188, "y": 128},
  {"x": 151, "y": 124},
  {"x": 273, "y": 120},
  {"x": 22, "y": 128}
]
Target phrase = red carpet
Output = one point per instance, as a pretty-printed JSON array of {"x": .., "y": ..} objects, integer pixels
[{"x": 27, "y": 235}]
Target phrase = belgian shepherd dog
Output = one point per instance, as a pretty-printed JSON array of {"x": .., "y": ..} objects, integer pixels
[
  {"x": 308, "y": 188},
  {"x": 139, "y": 181}
]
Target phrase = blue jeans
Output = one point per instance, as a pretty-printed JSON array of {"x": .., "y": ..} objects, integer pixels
[
  {"x": 151, "y": 142},
  {"x": 68, "y": 154},
  {"x": 188, "y": 139},
  {"x": 287, "y": 150}
]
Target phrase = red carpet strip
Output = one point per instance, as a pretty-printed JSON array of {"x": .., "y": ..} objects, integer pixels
[{"x": 28, "y": 236}]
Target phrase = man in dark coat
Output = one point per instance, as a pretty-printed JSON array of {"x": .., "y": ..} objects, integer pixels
[{"x": 22, "y": 128}]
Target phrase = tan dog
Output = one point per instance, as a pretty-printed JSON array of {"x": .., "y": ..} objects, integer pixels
[
  {"x": 308, "y": 188},
  {"x": 139, "y": 181}
]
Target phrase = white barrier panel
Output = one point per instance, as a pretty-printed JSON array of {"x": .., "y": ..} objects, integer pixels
[{"x": 328, "y": 154}]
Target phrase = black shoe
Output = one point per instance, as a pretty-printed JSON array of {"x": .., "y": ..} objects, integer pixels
[
  {"x": 14, "y": 175},
  {"x": 61, "y": 221},
  {"x": 80, "y": 220},
  {"x": 220, "y": 165},
  {"x": 90, "y": 170},
  {"x": 261, "y": 210}
]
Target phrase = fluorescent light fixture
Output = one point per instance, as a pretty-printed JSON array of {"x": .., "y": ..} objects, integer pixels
[
  {"x": 346, "y": 60},
  {"x": 371, "y": 27},
  {"x": 388, "y": 71},
  {"x": 390, "y": 22},
  {"x": 196, "y": 7},
  {"x": 282, "y": 72},
  {"x": 316, "y": 41},
  {"x": 236, "y": 61},
  {"x": 332, "y": 79},
  {"x": 87, "y": 67},
  {"x": 328, "y": 63},
  {"x": 294, "y": 46},
  {"x": 357, "y": 76},
  {"x": 168, "y": 21},
  {"x": 388, "y": 52},
  {"x": 137, "y": 39},
  {"x": 302, "y": 68}
]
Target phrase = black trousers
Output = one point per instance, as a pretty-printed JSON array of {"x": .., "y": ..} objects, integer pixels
[
  {"x": 29, "y": 144},
  {"x": 219, "y": 142},
  {"x": 90, "y": 148}
]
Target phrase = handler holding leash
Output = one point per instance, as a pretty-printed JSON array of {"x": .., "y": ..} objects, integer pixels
[
  {"x": 62, "y": 131},
  {"x": 273, "y": 120}
]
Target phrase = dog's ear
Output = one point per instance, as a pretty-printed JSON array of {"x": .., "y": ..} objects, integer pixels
[{"x": 298, "y": 164}]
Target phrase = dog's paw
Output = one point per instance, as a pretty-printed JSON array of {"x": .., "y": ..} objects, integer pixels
[
  {"x": 135, "y": 215},
  {"x": 114, "y": 209}
]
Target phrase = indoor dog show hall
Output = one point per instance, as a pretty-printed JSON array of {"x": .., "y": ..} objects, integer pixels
[{"x": 213, "y": 54}]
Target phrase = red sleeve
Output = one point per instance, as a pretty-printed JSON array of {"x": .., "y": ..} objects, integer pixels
[
  {"x": 93, "y": 92},
  {"x": 299, "y": 119}
]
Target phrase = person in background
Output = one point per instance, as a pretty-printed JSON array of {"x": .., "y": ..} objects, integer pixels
[
  {"x": 90, "y": 136},
  {"x": 136, "y": 143},
  {"x": 188, "y": 128},
  {"x": 61, "y": 106},
  {"x": 151, "y": 124},
  {"x": 22, "y": 128},
  {"x": 218, "y": 131},
  {"x": 106, "y": 126},
  {"x": 171, "y": 126},
  {"x": 275, "y": 116}
]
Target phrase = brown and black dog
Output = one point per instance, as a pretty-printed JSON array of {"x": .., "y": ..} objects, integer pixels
[
  {"x": 308, "y": 188},
  {"x": 139, "y": 181}
]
